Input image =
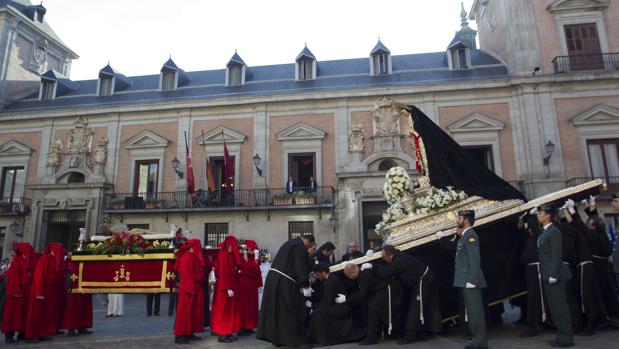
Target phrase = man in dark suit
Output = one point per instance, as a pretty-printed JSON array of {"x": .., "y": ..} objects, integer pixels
[
  {"x": 469, "y": 277},
  {"x": 311, "y": 185},
  {"x": 555, "y": 275},
  {"x": 291, "y": 185}
]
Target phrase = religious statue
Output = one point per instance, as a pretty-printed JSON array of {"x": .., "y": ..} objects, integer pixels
[
  {"x": 386, "y": 117},
  {"x": 101, "y": 151},
  {"x": 53, "y": 156},
  {"x": 355, "y": 138},
  {"x": 79, "y": 136}
]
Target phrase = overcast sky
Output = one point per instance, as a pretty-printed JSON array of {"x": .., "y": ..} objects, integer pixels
[{"x": 138, "y": 36}]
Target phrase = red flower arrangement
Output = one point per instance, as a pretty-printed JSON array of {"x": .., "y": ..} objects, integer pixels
[{"x": 122, "y": 243}]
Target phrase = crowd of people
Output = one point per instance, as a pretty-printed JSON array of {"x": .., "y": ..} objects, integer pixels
[{"x": 297, "y": 301}]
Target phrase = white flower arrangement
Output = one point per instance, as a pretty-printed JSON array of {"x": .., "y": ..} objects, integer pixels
[
  {"x": 436, "y": 199},
  {"x": 397, "y": 185},
  {"x": 392, "y": 214}
]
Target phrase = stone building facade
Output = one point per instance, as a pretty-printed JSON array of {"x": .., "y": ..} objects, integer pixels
[{"x": 538, "y": 102}]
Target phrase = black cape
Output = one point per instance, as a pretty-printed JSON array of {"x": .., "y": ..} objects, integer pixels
[
  {"x": 282, "y": 315},
  {"x": 449, "y": 165}
]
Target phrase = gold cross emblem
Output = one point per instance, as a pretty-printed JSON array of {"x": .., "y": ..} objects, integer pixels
[
  {"x": 170, "y": 276},
  {"x": 122, "y": 274},
  {"x": 74, "y": 277}
]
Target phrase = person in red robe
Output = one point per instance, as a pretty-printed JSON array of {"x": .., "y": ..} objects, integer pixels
[
  {"x": 41, "y": 321},
  {"x": 77, "y": 317},
  {"x": 63, "y": 292},
  {"x": 190, "y": 309},
  {"x": 250, "y": 280},
  {"x": 19, "y": 278},
  {"x": 225, "y": 320}
]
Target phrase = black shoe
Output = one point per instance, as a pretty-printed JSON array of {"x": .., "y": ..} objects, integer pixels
[
  {"x": 9, "y": 339},
  {"x": 72, "y": 333},
  {"x": 193, "y": 337},
  {"x": 59, "y": 332},
  {"x": 609, "y": 326},
  {"x": 528, "y": 333},
  {"x": 157, "y": 314},
  {"x": 109, "y": 315},
  {"x": 224, "y": 339},
  {"x": 558, "y": 344},
  {"x": 181, "y": 340},
  {"x": 149, "y": 314},
  {"x": 245, "y": 332},
  {"x": 170, "y": 314},
  {"x": 84, "y": 331},
  {"x": 366, "y": 342},
  {"x": 406, "y": 340},
  {"x": 45, "y": 339},
  {"x": 21, "y": 337}
]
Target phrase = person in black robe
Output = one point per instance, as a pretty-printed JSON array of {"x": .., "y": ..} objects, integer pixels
[
  {"x": 601, "y": 250},
  {"x": 353, "y": 252},
  {"x": 325, "y": 253},
  {"x": 332, "y": 321},
  {"x": 318, "y": 278},
  {"x": 423, "y": 317},
  {"x": 536, "y": 305},
  {"x": 282, "y": 315},
  {"x": 568, "y": 239},
  {"x": 588, "y": 291}
]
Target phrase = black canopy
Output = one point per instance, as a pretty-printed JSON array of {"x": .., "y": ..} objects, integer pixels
[{"x": 449, "y": 165}]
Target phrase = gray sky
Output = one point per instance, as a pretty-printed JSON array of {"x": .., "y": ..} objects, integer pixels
[{"x": 138, "y": 36}]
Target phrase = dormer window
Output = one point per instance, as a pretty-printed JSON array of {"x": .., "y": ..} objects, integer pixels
[
  {"x": 305, "y": 65},
  {"x": 168, "y": 80},
  {"x": 235, "y": 71},
  {"x": 48, "y": 90},
  {"x": 105, "y": 85},
  {"x": 380, "y": 60},
  {"x": 458, "y": 59},
  {"x": 458, "y": 54}
]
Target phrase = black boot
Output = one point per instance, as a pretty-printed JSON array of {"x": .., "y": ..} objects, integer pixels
[
  {"x": 181, "y": 340},
  {"x": 9, "y": 338},
  {"x": 224, "y": 339},
  {"x": 84, "y": 331},
  {"x": 193, "y": 337},
  {"x": 71, "y": 333}
]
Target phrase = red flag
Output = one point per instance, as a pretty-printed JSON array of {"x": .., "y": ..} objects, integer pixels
[
  {"x": 210, "y": 182},
  {"x": 228, "y": 168},
  {"x": 190, "y": 182}
]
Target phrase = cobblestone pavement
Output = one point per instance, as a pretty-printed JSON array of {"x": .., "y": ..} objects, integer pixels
[{"x": 136, "y": 330}]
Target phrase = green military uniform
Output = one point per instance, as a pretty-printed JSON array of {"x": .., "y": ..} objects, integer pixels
[
  {"x": 550, "y": 250},
  {"x": 468, "y": 270}
]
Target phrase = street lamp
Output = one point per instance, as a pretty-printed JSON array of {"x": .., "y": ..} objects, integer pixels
[
  {"x": 549, "y": 148},
  {"x": 257, "y": 164},
  {"x": 175, "y": 165},
  {"x": 333, "y": 222},
  {"x": 15, "y": 228}
]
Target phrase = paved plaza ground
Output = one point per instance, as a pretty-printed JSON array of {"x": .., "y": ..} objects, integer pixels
[{"x": 136, "y": 330}]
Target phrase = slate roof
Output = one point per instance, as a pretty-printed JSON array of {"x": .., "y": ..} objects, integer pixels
[
  {"x": 235, "y": 59},
  {"x": 24, "y": 6},
  {"x": 335, "y": 75},
  {"x": 457, "y": 43},
  {"x": 305, "y": 53},
  {"x": 379, "y": 48}
]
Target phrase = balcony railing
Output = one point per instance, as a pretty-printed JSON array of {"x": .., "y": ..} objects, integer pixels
[
  {"x": 15, "y": 206},
  {"x": 577, "y": 63},
  {"x": 236, "y": 199},
  {"x": 612, "y": 184}
]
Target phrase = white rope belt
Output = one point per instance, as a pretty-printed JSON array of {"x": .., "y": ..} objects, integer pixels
[
  {"x": 389, "y": 303},
  {"x": 281, "y": 273},
  {"x": 581, "y": 265},
  {"x": 421, "y": 296},
  {"x": 600, "y": 257}
]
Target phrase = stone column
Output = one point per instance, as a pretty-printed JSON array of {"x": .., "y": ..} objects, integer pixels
[{"x": 261, "y": 139}]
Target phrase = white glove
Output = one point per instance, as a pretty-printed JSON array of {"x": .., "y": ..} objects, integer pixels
[
  {"x": 257, "y": 254},
  {"x": 523, "y": 215},
  {"x": 230, "y": 293},
  {"x": 366, "y": 266},
  {"x": 469, "y": 285},
  {"x": 552, "y": 280},
  {"x": 340, "y": 298},
  {"x": 591, "y": 200},
  {"x": 369, "y": 253},
  {"x": 308, "y": 304},
  {"x": 307, "y": 292},
  {"x": 440, "y": 234},
  {"x": 533, "y": 211},
  {"x": 570, "y": 206}
]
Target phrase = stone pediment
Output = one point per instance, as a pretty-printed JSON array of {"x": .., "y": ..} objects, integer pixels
[
  {"x": 146, "y": 139},
  {"x": 476, "y": 122},
  {"x": 218, "y": 134},
  {"x": 576, "y": 5},
  {"x": 598, "y": 115},
  {"x": 14, "y": 148},
  {"x": 300, "y": 131}
]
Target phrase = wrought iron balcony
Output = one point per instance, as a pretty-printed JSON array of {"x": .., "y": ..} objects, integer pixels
[
  {"x": 15, "y": 206},
  {"x": 592, "y": 62},
  {"x": 236, "y": 200},
  {"x": 612, "y": 184}
]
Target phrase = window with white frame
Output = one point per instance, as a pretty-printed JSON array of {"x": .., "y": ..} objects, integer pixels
[
  {"x": 459, "y": 59},
  {"x": 47, "y": 90},
  {"x": 12, "y": 185},
  {"x": 604, "y": 158},
  {"x": 235, "y": 75},
  {"x": 168, "y": 80},
  {"x": 105, "y": 85},
  {"x": 305, "y": 69},
  {"x": 380, "y": 62}
]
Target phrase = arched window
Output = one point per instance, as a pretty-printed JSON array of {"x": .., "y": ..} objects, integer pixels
[
  {"x": 75, "y": 177},
  {"x": 386, "y": 164}
]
